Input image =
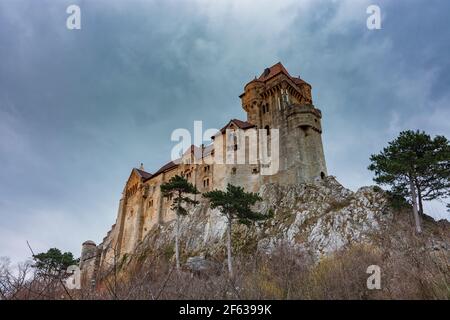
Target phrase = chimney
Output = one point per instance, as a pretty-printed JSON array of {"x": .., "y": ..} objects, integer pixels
[{"x": 141, "y": 167}]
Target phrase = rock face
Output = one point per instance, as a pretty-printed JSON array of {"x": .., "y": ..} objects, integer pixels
[
  {"x": 322, "y": 217},
  {"x": 318, "y": 217}
]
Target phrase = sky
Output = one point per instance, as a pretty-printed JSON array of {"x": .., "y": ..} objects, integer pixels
[{"x": 80, "y": 108}]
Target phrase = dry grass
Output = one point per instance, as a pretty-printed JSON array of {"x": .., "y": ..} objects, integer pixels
[{"x": 410, "y": 269}]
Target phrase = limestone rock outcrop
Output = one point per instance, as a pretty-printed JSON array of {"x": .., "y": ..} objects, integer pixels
[{"x": 319, "y": 217}]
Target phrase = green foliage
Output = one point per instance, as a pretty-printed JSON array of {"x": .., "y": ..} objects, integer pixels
[
  {"x": 377, "y": 189},
  {"x": 53, "y": 261},
  {"x": 168, "y": 252},
  {"x": 397, "y": 201},
  {"x": 176, "y": 188},
  {"x": 236, "y": 204},
  {"x": 415, "y": 156}
]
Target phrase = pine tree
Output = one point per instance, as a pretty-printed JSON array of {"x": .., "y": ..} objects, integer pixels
[
  {"x": 177, "y": 188},
  {"x": 53, "y": 262},
  {"x": 235, "y": 204},
  {"x": 416, "y": 167}
]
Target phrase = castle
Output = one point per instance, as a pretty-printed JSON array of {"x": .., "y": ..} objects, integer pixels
[{"x": 275, "y": 102}]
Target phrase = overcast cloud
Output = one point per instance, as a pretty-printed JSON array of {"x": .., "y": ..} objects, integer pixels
[{"x": 79, "y": 109}]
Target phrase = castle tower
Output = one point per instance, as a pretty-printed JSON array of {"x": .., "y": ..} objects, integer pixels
[
  {"x": 276, "y": 100},
  {"x": 88, "y": 251},
  {"x": 88, "y": 262}
]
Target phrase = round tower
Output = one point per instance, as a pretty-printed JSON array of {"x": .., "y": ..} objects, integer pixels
[
  {"x": 306, "y": 149},
  {"x": 88, "y": 251},
  {"x": 251, "y": 100}
]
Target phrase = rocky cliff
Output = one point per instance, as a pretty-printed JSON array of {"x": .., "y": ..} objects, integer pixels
[{"x": 318, "y": 218}]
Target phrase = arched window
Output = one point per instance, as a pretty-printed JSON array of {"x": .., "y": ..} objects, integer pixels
[{"x": 322, "y": 175}]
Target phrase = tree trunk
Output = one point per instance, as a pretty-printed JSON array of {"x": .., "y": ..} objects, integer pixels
[
  {"x": 414, "y": 201},
  {"x": 177, "y": 251},
  {"x": 177, "y": 234},
  {"x": 230, "y": 267},
  {"x": 419, "y": 196}
]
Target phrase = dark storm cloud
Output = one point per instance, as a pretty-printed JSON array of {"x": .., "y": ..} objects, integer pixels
[{"x": 79, "y": 108}]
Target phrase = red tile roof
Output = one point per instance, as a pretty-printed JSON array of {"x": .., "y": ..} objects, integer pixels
[
  {"x": 241, "y": 125},
  {"x": 273, "y": 71}
]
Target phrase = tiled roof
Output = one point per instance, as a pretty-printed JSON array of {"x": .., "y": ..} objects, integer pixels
[
  {"x": 173, "y": 164},
  {"x": 241, "y": 125},
  {"x": 167, "y": 166},
  {"x": 144, "y": 174},
  {"x": 273, "y": 71}
]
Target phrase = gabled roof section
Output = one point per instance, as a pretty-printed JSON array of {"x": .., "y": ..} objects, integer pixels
[
  {"x": 168, "y": 166},
  {"x": 244, "y": 125},
  {"x": 143, "y": 174},
  {"x": 138, "y": 174},
  {"x": 239, "y": 123},
  {"x": 273, "y": 71}
]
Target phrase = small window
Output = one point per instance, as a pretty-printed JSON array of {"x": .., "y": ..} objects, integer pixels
[
  {"x": 267, "y": 130},
  {"x": 233, "y": 171},
  {"x": 322, "y": 175},
  {"x": 254, "y": 170}
]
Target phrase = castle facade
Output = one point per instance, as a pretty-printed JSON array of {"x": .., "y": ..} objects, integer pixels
[{"x": 275, "y": 102}]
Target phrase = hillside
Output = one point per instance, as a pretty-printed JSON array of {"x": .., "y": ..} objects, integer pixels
[{"x": 315, "y": 226}]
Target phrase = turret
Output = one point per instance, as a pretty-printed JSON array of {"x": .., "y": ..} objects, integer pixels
[
  {"x": 305, "y": 117},
  {"x": 251, "y": 99},
  {"x": 88, "y": 251}
]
